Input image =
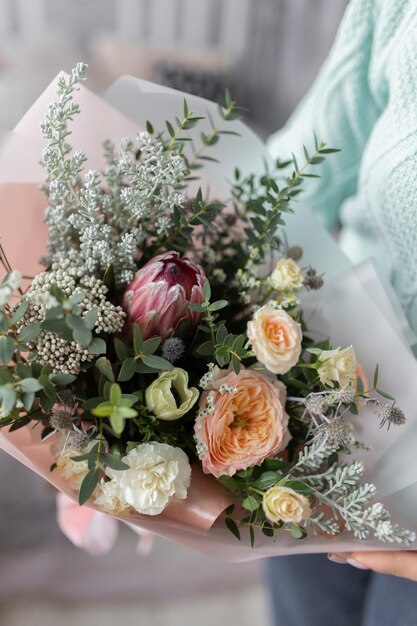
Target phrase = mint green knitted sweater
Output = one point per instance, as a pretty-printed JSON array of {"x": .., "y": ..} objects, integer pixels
[{"x": 364, "y": 101}]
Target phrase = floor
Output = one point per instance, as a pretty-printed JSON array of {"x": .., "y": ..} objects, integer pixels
[{"x": 234, "y": 609}]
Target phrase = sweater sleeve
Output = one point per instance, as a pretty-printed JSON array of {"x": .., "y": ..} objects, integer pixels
[{"x": 340, "y": 109}]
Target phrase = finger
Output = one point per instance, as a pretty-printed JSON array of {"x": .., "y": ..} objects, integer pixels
[{"x": 402, "y": 564}]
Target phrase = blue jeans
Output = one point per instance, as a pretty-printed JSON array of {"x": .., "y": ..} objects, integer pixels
[{"x": 312, "y": 591}]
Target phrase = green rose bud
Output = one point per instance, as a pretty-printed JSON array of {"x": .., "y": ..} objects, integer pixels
[{"x": 169, "y": 397}]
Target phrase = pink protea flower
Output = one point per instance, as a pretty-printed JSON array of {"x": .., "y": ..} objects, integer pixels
[{"x": 159, "y": 295}]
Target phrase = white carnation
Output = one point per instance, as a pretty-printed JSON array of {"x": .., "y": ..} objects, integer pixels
[
  {"x": 108, "y": 497},
  {"x": 157, "y": 473}
]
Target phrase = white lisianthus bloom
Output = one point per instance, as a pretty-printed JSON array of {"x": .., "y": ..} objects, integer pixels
[
  {"x": 284, "y": 504},
  {"x": 337, "y": 366},
  {"x": 157, "y": 473},
  {"x": 287, "y": 276}
]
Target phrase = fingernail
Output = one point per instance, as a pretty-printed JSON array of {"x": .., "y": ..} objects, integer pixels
[
  {"x": 354, "y": 563},
  {"x": 337, "y": 559}
]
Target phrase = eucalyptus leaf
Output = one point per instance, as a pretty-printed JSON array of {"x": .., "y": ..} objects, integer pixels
[
  {"x": 88, "y": 485},
  {"x": 127, "y": 371},
  {"x": 7, "y": 347}
]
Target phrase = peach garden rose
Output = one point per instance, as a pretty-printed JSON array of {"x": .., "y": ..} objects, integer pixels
[
  {"x": 275, "y": 338},
  {"x": 236, "y": 430}
]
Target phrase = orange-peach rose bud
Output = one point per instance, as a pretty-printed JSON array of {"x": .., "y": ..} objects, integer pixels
[
  {"x": 237, "y": 430},
  {"x": 275, "y": 338}
]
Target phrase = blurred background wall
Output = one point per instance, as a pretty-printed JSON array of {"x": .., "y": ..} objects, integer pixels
[{"x": 267, "y": 52}]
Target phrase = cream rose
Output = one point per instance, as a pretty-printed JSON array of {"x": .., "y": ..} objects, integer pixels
[
  {"x": 337, "y": 366},
  {"x": 157, "y": 473},
  {"x": 287, "y": 276},
  {"x": 169, "y": 396},
  {"x": 282, "y": 504},
  {"x": 275, "y": 338}
]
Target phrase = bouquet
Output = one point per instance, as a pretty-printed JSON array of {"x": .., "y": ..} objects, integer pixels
[{"x": 163, "y": 359}]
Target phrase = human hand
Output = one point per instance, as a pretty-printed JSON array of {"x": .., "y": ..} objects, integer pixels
[{"x": 399, "y": 563}]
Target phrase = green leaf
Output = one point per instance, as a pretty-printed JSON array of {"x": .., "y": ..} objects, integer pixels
[
  {"x": 115, "y": 394},
  {"x": 151, "y": 345},
  {"x": 7, "y": 347},
  {"x": 104, "y": 409},
  {"x": 250, "y": 503},
  {"x": 117, "y": 422},
  {"x": 232, "y": 526},
  {"x": 216, "y": 306},
  {"x": 206, "y": 348},
  {"x": 59, "y": 327},
  {"x": 113, "y": 462},
  {"x": 88, "y": 485},
  {"x": 28, "y": 400},
  {"x": 127, "y": 371},
  {"x": 90, "y": 318},
  {"x": 273, "y": 464},
  {"x": 207, "y": 290},
  {"x": 108, "y": 278},
  {"x": 376, "y": 374},
  {"x": 76, "y": 298},
  {"x": 126, "y": 412},
  {"x": 298, "y": 532},
  {"x": 81, "y": 333},
  {"x": 61, "y": 380},
  {"x": 19, "y": 313},
  {"x": 92, "y": 403},
  {"x": 298, "y": 486},
  {"x": 251, "y": 536},
  {"x": 104, "y": 366},
  {"x": 97, "y": 346},
  {"x": 267, "y": 480},
  {"x": 20, "y": 423},
  {"x": 235, "y": 364},
  {"x": 194, "y": 306},
  {"x": 8, "y": 398},
  {"x": 229, "y": 482},
  {"x": 149, "y": 127},
  {"x": 359, "y": 384},
  {"x": 385, "y": 395},
  {"x": 157, "y": 362},
  {"x": 121, "y": 350},
  {"x": 30, "y": 385},
  {"x": 46, "y": 403}
]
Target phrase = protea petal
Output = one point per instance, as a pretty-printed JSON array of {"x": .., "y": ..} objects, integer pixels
[{"x": 160, "y": 294}]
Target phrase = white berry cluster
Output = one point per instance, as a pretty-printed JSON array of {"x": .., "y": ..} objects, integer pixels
[{"x": 63, "y": 355}]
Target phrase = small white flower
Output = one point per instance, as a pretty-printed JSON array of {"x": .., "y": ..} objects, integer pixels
[
  {"x": 72, "y": 471},
  {"x": 157, "y": 473},
  {"x": 14, "y": 279}
]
